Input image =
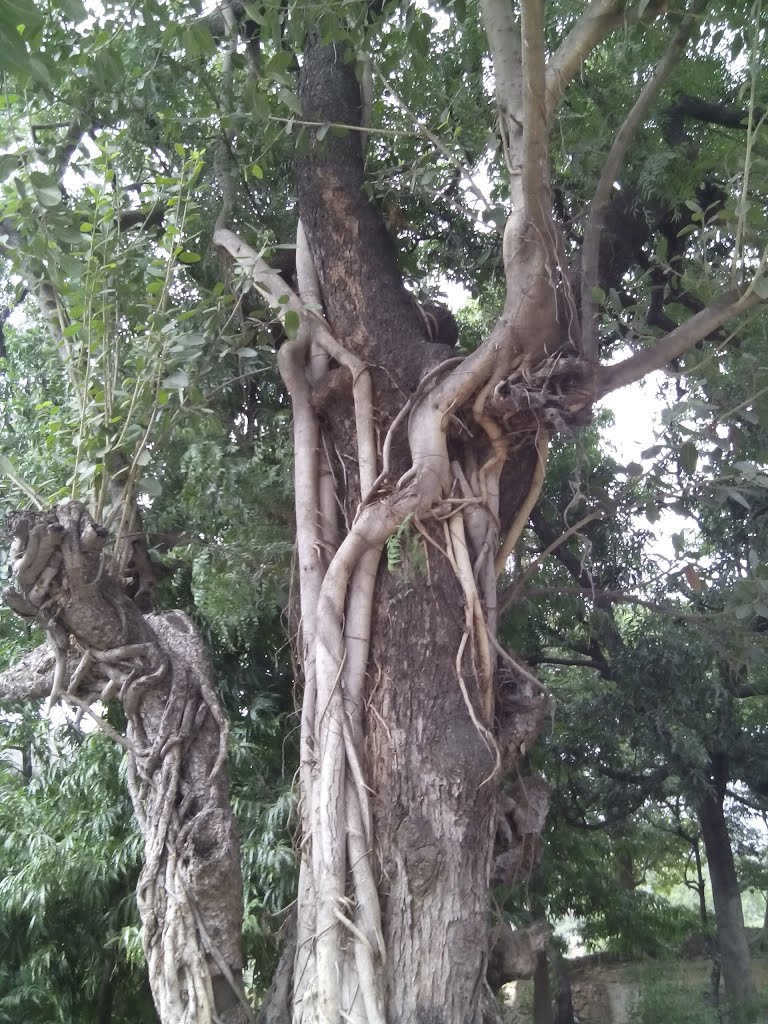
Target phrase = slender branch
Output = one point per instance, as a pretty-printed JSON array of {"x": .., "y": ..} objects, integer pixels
[
  {"x": 599, "y": 20},
  {"x": 598, "y": 208},
  {"x": 683, "y": 338},
  {"x": 620, "y": 597},
  {"x": 438, "y": 143},
  {"x": 761, "y": 806},
  {"x": 577, "y": 662}
]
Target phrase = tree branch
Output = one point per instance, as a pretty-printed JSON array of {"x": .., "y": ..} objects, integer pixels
[
  {"x": 599, "y": 20},
  {"x": 503, "y": 34},
  {"x": 31, "y": 678},
  {"x": 712, "y": 113},
  {"x": 535, "y": 180},
  {"x": 600, "y": 201},
  {"x": 683, "y": 338},
  {"x": 620, "y": 597},
  {"x": 512, "y": 592}
]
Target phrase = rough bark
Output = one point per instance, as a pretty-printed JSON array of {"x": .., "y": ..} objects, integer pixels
[
  {"x": 189, "y": 891},
  {"x": 435, "y": 805},
  {"x": 733, "y": 946}
]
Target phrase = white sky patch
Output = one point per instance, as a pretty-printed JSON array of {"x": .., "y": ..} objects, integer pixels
[
  {"x": 636, "y": 411},
  {"x": 637, "y": 426}
]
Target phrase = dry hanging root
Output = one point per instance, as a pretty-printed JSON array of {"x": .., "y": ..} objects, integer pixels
[{"x": 188, "y": 897}]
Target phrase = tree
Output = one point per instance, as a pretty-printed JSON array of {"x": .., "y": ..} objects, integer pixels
[
  {"x": 413, "y": 713},
  {"x": 661, "y": 699}
]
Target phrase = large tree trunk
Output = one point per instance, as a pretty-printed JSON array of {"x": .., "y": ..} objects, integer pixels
[
  {"x": 425, "y": 728},
  {"x": 434, "y": 811},
  {"x": 412, "y": 713},
  {"x": 735, "y": 958}
]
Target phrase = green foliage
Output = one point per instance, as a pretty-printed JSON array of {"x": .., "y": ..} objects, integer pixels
[
  {"x": 405, "y": 552},
  {"x": 667, "y": 1002},
  {"x": 69, "y": 863}
]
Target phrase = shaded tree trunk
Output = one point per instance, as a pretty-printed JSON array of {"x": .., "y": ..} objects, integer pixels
[
  {"x": 735, "y": 959},
  {"x": 412, "y": 712},
  {"x": 542, "y": 991}
]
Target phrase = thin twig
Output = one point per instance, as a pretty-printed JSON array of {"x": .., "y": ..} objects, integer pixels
[{"x": 512, "y": 592}]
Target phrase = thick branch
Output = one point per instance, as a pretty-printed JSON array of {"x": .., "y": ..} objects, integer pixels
[
  {"x": 600, "y": 201},
  {"x": 677, "y": 342},
  {"x": 31, "y": 678},
  {"x": 503, "y": 34},
  {"x": 535, "y": 122},
  {"x": 712, "y": 113},
  {"x": 599, "y": 20}
]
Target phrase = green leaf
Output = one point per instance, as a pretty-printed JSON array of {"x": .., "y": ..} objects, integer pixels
[
  {"x": 152, "y": 488},
  {"x": 179, "y": 379},
  {"x": 687, "y": 457},
  {"x": 256, "y": 100},
  {"x": 75, "y": 10},
  {"x": 198, "y": 41},
  {"x": 292, "y": 323},
  {"x": 14, "y": 51},
  {"x": 9, "y": 162},
  {"x": 48, "y": 197},
  {"x": 189, "y": 257},
  {"x": 15, "y": 13},
  {"x": 290, "y": 99},
  {"x": 738, "y": 497}
]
